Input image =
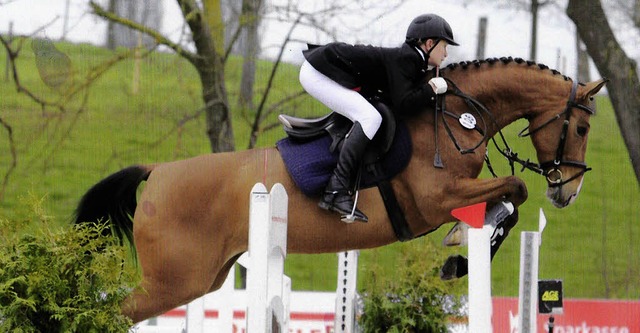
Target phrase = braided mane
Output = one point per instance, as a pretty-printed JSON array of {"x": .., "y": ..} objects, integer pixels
[{"x": 463, "y": 65}]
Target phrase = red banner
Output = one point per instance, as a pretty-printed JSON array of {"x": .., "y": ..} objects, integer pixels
[{"x": 579, "y": 316}]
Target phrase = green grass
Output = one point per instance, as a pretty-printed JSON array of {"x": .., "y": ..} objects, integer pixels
[{"x": 592, "y": 245}]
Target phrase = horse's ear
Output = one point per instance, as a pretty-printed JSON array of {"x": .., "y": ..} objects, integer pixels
[{"x": 592, "y": 88}]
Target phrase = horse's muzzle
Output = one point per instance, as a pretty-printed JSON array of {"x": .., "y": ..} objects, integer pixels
[{"x": 563, "y": 195}]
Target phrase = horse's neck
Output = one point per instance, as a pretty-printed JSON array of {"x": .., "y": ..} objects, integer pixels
[{"x": 509, "y": 93}]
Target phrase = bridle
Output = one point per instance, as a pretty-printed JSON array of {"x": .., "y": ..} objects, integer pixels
[{"x": 551, "y": 169}]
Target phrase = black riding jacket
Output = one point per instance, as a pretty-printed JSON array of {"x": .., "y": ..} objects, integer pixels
[{"x": 398, "y": 75}]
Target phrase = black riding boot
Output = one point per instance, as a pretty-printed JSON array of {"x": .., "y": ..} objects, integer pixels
[{"x": 338, "y": 195}]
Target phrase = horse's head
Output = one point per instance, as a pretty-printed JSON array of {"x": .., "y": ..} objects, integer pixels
[
  {"x": 559, "y": 132},
  {"x": 555, "y": 106}
]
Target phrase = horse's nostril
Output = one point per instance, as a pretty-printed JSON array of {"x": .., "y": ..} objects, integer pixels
[{"x": 572, "y": 198}]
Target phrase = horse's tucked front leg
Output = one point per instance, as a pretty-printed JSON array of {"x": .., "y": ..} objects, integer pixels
[
  {"x": 468, "y": 191},
  {"x": 517, "y": 190}
]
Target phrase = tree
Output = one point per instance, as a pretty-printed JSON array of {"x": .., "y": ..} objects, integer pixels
[
  {"x": 207, "y": 30},
  {"x": 533, "y": 7},
  {"x": 636, "y": 14},
  {"x": 630, "y": 9},
  {"x": 613, "y": 63},
  {"x": 147, "y": 13},
  {"x": 583, "y": 60},
  {"x": 56, "y": 72},
  {"x": 249, "y": 22},
  {"x": 208, "y": 34}
]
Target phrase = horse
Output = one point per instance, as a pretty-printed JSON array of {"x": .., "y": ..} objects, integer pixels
[{"x": 189, "y": 223}]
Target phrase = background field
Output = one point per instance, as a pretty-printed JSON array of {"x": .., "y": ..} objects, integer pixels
[{"x": 592, "y": 245}]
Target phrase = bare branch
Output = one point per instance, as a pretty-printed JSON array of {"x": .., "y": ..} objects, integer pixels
[
  {"x": 177, "y": 129},
  {"x": 14, "y": 157},
  {"x": 74, "y": 88},
  {"x": 234, "y": 38},
  {"x": 287, "y": 99},
  {"x": 157, "y": 36},
  {"x": 259, "y": 117},
  {"x": 13, "y": 55}
]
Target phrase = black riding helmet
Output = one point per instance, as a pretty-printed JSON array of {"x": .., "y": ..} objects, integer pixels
[{"x": 429, "y": 26}]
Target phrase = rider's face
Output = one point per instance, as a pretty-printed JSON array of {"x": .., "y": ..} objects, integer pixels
[{"x": 438, "y": 54}]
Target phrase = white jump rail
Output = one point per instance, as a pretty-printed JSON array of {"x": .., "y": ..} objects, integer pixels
[
  {"x": 266, "y": 284},
  {"x": 479, "y": 274},
  {"x": 530, "y": 242},
  {"x": 345, "y": 320}
]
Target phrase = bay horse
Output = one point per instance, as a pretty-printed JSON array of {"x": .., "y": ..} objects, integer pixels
[{"x": 190, "y": 222}]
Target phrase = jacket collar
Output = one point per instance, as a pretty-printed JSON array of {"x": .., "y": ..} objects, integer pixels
[{"x": 422, "y": 54}]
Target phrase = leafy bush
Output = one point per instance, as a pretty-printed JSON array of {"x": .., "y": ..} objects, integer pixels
[
  {"x": 62, "y": 280},
  {"x": 415, "y": 299}
]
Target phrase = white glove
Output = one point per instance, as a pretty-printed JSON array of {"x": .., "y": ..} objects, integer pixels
[{"x": 439, "y": 85}]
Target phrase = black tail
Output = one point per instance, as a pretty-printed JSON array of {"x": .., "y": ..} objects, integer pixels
[{"x": 113, "y": 201}]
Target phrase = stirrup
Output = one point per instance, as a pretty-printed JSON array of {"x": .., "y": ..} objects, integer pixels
[
  {"x": 348, "y": 214},
  {"x": 355, "y": 215},
  {"x": 345, "y": 216},
  {"x": 352, "y": 217}
]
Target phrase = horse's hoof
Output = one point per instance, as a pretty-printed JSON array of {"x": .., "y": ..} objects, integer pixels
[
  {"x": 457, "y": 236},
  {"x": 455, "y": 267}
]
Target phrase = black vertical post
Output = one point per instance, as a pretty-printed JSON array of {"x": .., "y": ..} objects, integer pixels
[{"x": 482, "y": 38}]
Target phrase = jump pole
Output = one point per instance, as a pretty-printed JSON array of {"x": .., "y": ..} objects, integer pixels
[
  {"x": 266, "y": 283},
  {"x": 530, "y": 242},
  {"x": 346, "y": 293},
  {"x": 480, "y": 306},
  {"x": 479, "y": 235},
  {"x": 195, "y": 316}
]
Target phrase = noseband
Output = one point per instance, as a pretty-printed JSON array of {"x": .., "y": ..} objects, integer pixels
[{"x": 551, "y": 169}]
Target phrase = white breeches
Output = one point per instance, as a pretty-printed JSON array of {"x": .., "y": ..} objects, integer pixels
[{"x": 344, "y": 101}]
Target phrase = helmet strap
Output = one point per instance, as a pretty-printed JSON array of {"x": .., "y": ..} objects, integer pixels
[{"x": 428, "y": 53}]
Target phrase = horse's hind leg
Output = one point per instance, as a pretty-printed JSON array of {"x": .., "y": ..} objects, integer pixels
[
  {"x": 165, "y": 286},
  {"x": 176, "y": 263},
  {"x": 224, "y": 272},
  {"x": 148, "y": 301},
  {"x": 167, "y": 282},
  {"x": 159, "y": 294}
]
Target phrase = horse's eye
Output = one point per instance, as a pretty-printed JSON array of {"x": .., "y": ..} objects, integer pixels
[{"x": 582, "y": 130}]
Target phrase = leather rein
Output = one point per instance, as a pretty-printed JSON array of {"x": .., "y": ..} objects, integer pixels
[{"x": 549, "y": 169}]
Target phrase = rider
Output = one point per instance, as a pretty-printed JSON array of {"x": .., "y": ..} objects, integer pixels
[{"x": 341, "y": 76}]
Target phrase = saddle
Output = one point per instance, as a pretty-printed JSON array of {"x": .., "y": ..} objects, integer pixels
[
  {"x": 310, "y": 153},
  {"x": 337, "y": 126}
]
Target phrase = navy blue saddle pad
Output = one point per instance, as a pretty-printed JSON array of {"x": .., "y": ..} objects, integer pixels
[{"x": 311, "y": 164}]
